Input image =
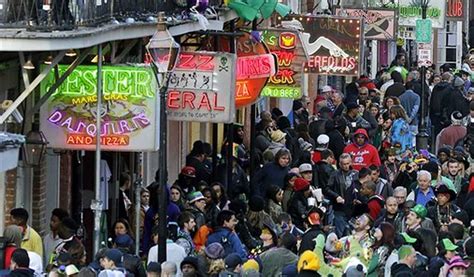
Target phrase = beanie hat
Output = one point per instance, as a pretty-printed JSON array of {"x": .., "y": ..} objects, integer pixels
[
  {"x": 304, "y": 145},
  {"x": 308, "y": 261},
  {"x": 301, "y": 184},
  {"x": 191, "y": 261},
  {"x": 458, "y": 82},
  {"x": 214, "y": 251},
  {"x": 297, "y": 105},
  {"x": 154, "y": 267},
  {"x": 456, "y": 118},
  {"x": 195, "y": 196},
  {"x": 323, "y": 139},
  {"x": 123, "y": 240},
  {"x": 114, "y": 255},
  {"x": 232, "y": 261},
  {"x": 256, "y": 203}
]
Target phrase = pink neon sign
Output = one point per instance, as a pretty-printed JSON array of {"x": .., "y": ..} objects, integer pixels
[{"x": 257, "y": 66}]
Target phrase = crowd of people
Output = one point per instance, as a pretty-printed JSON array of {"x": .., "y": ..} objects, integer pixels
[{"x": 341, "y": 191}]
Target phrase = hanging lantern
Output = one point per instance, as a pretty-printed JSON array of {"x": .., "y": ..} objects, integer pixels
[{"x": 34, "y": 147}]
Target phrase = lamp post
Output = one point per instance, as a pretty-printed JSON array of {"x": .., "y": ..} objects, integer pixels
[
  {"x": 422, "y": 136},
  {"x": 164, "y": 53},
  {"x": 34, "y": 147}
]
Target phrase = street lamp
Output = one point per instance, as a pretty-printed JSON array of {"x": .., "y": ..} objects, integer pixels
[
  {"x": 34, "y": 147},
  {"x": 164, "y": 53},
  {"x": 422, "y": 136}
]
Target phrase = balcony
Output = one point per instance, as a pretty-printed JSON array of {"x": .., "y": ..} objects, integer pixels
[{"x": 58, "y": 15}]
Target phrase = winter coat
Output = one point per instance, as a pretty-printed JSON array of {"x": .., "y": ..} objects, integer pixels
[
  {"x": 450, "y": 135},
  {"x": 400, "y": 133},
  {"x": 240, "y": 184},
  {"x": 455, "y": 101},
  {"x": 437, "y": 95},
  {"x": 270, "y": 174},
  {"x": 364, "y": 155},
  {"x": 202, "y": 172},
  {"x": 275, "y": 259},
  {"x": 297, "y": 207},
  {"x": 396, "y": 90},
  {"x": 308, "y": 241},
  {"x": 22, "y": 272},
  {"x": 323, "y": 173},
  {"x": 274, "y": 210},
  {"x": 336, "y": 140},
  {"x": 357, "y": 123},
  {"x": 401, "y": 270},
  {"x": 226, "y": 236}
]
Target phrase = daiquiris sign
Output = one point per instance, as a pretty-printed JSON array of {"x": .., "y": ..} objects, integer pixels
[
  {"x": 202, "y": 88},
  {"x": 128, "y": 113}
]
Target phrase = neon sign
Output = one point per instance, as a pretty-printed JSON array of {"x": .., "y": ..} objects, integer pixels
[
  {"x": 68, "y": 119},
  {"x": 202, "y": 88},
  {"x": 379, "y": 24},
  {"x": 332, "y": 43},
  {"x": 455, "y": 9},
  {"x": 286, "y": 83},
  {"x": 258, "y": 66}
]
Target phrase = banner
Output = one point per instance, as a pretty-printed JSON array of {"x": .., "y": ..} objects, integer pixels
[
  {"x": 129, "y": 111},
  {"x": 379, "y": 24},
  {"x": 202, "y": 88},
  {"x": 409, "y": 12},
  {"x": 333, "y": 43},
  {"x": 286, "y": 45}
]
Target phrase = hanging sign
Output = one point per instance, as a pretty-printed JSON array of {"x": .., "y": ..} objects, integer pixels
[
  {"x": 286, "y": 45},
  {"x": 128, "y": 114},
  {"x": 455, "y": 9},
  {"x": 409, "y": 12},
  {"x": 379, "y": 24},
  {"x": 202, "y": 88},
  {"x": 333, "y": 43}
]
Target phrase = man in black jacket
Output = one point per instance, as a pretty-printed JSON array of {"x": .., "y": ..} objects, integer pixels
[
  {"x": 324, "y": 167},
  {"x": 406, "y": 262},
  {"x": 436, "y": 102},
  {"x": 340, "y": 190}
]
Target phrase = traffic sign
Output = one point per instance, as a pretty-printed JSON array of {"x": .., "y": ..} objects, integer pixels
[
  {"x": 424, "y": 30},
  {"x": 424, "y": 54}
]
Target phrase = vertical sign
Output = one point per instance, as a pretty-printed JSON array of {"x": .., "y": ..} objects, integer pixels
[
  {"x": 286, "y": 45},
  {"x": 423, "y": 31}
]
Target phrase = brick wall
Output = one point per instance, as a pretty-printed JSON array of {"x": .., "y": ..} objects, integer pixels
[
  {"x": 10, "y": 193},
  {"x": 38, "y": 217},
  {"x": 65, "y": 181}
]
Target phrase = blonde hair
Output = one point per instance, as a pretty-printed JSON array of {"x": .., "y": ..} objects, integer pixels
[{"x": 216, "y": 267}]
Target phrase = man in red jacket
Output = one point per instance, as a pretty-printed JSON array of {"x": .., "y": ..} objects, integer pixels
[{"x": 362, "y": 152}]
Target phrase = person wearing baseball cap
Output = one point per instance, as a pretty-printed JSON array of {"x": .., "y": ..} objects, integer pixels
[
  {"x": 306, "y": 171},
  {"x": 298, "y": 203},
  {"x": 414, "y": 218},
  {"x": 186, "y": 179},
  {"x": 447, "y": 249},
  {"x": 322, "y": 144}
]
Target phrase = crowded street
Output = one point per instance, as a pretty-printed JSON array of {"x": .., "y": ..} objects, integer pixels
[{"x": 237, "y": 138}]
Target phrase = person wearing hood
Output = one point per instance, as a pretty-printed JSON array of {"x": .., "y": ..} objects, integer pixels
[
  {"x": 274, "y": 260},
  {"x": 406, "y": 262},
  {"x": 354, "y": 119},
  {"x": 269, "y": 237},
  {"x": 450, "y": 135},
  {"x": 308, "y": 264},
  {"x": 363, "y": 153}
]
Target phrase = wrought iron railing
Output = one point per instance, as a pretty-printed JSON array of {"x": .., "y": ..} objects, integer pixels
[{"x": 50, "y": 15}]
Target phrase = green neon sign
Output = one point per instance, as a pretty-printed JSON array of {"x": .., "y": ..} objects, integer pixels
[
  {"x": 120, "y": 83},
  {"x": 282, "y": 92}
]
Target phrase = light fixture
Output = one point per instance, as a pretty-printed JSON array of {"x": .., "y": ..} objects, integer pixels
[
  {"x": 95, "y": 59},
  {"x": 29, "y": 64},
  {"x": 49, "y": 60},
  {"x": 34, "y": 147},
  {"x": 71, "y": 53}
]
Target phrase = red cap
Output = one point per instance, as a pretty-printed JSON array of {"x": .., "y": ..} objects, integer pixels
[
  {"x": 189, "y": 171},
  {"x": 301, "y": 184}
]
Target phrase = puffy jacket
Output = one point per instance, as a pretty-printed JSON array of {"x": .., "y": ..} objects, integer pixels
[{"x": 364, "y": 155}]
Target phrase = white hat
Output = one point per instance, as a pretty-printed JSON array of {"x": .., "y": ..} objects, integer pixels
[
  {"x": 323, "y": 139},
  {"x": 326, "y": 89},
  {"x": 305, "y": 168}
]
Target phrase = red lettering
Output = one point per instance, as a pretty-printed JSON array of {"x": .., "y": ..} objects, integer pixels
[
  {"x": 217, "y": 108},
  {"x": 185, "y": 61},
  {"x": 454, "y": 8},
  {"x": 173, "y": 99},
  {"x": 188, "y": 98},
  {"x": 204, "y": 102},
  {"x": 205, "y": 63}
]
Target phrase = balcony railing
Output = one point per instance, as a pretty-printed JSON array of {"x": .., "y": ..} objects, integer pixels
[{"x": 50, "y": 15}]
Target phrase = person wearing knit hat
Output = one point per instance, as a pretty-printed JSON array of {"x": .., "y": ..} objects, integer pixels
[
  {"x": 190, "y": 266},
  {"x": 214, "y": 251},
  {"x": 298, "y": 203},
  {"x": 443, "y": 154}
]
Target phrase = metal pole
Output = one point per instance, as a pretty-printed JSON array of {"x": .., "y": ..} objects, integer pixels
[
  {"x": 137, "y": 187},
  {"x": 230, "y": 129},
  {"x": 422, "y": 136},
  {"x": 162, "y": 200},
  {"x": 97, "y": 204}
]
